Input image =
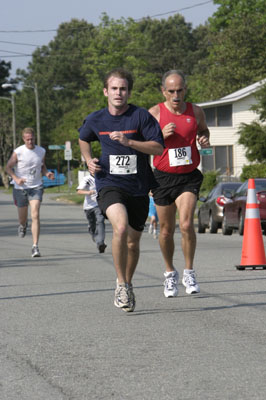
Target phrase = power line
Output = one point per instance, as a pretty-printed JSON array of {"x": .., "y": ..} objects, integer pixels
[
  {"x": 21, "y": 44},
  {"x": 138, "y": 19},
  {"x": 14, "y": 52},
  {"x": 181, "y": 9}
]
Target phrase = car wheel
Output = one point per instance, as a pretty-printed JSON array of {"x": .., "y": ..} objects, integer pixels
[
  {"x": 201, "y": 227},
  {"x": 225, "y": 229},
  {"x": 213, "y": 225},
  {"x": 241, "y": 224}
]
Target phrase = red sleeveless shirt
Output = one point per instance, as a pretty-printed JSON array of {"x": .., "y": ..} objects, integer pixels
[{"x": 184, "y": 156}]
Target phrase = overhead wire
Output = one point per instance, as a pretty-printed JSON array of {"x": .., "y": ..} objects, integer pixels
[
  {"x": 136, "y": 19},
  {"x": 16, "y": 54}
]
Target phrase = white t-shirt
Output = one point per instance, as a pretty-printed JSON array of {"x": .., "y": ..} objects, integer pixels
[
  {"x": 29, "y": 166},
  {"x": 88, "y": 183}
]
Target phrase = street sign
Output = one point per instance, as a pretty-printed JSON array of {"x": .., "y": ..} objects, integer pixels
[
  {"x": 68, "y": 154},
  {"x": 56, "y": 147},
  {"x": 68, "y": 145},
  {"x": 206, "y": 152}
]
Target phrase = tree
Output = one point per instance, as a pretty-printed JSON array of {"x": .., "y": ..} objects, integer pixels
[
  {"x": 59, "y": 65},
  {"x": 6, "y": 142},
  {"x": 167, "y": 44},
  {"x": 237, "y": 49},
  {"x": 253, "y": 136},
  {"x": 260, "y": 107},
  {"x": 117, "y": 44}
]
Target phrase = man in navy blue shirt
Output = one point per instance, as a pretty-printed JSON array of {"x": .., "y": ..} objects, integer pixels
[{"x": 123, "y": 176}]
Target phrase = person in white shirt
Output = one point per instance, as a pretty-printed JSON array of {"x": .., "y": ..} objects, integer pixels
[
  {"x": 26, "y": 167},
  {"x": 96, "y": 225}
]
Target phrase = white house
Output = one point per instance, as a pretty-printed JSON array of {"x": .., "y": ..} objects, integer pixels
[{"x": 223, "y": 119}]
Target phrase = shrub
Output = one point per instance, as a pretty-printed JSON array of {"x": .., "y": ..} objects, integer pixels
[
  {"x": 209, "y": 181},
  {"x": 253, "y": 171}
]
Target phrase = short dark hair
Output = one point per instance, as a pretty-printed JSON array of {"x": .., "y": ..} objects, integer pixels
[
  {"x": 173, "y": 72},
  {"x": 119, "y": 73}
]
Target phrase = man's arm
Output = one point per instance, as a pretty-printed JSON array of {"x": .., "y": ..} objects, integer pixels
[
  {"x": 9, "y": 169},
  {"x": 45, "y": 172},
  {"x": 168, "y": 129},
  {"x": 87, "y": 192},
  {"x": 92, "y": 163},
  {"x": 203, "y": 133},
  {"x": 148, "y": 147},
  {"x": 155, "y": 112}
]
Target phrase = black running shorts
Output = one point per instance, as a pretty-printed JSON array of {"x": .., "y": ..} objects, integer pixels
[
  {"x": 137, "y": 206},
  {"x": 171, "y": 186}
]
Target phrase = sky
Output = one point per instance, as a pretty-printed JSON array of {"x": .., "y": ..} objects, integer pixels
[{"x": 21, "y": 19}]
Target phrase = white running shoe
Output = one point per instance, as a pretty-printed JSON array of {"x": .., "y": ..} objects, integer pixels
[
  {"x": 124, "y": 297},
  {"x": 150, "y": 229},
  {"x": 155, "y": 236},
  {"x": 190, "y": 283},
  {"x": 170, "y": 284},
  {"x": 35, "y": 252}
]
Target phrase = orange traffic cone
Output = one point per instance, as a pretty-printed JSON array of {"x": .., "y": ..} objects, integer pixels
[{"x": 253, "y": 253}]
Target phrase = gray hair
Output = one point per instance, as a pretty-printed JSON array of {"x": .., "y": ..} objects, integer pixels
[{"x": 173, "y": 72}]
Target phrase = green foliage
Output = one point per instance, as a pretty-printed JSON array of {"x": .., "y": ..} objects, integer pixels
[
  {"x": 117, "y": 44},
  {"x": 235, "y": 9},
  {"x": 253, "y": 138},
  {"x": 59, "y": 65},
  {"x": 260, "y": 107},
  {"x": 6, "y": 134},
  {"x": 218, "y": 58},
  {"x": 167, "y": 44},
  {"x": 4, "y": 74},
  {"x": 209, "y": 181},
  {"x": 236, "y": 58},
  {"x": 253, "y": 171}
]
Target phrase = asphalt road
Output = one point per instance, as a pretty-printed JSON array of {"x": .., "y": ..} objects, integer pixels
[{"x": 62, "y": 338}]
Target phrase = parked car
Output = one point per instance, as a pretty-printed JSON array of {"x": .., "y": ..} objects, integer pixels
[
  {"x": 59, "y": 179},
  {"x": 235, "y": 208},
  {"x": 210, "y": 213}
]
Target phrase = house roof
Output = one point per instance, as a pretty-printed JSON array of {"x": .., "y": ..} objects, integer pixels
[{"x": 235, "y": 96}]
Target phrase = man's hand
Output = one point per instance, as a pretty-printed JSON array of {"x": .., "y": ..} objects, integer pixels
[
  {"x": 93, "y": 165},
  {"x": 50, "y": 175},
  {"x": 203, "y": 141},
  {"x": 119, "y": 137},
  {"x": 19, "y": 181},
  {"x": 169, "y": 130}
]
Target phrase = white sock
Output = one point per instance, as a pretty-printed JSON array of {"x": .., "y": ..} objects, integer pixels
[{"x": 189, "y": 271}]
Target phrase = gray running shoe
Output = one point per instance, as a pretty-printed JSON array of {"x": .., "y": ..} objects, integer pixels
[
  {"x": 35, "y": 252},
  {"x": 22, "y": 230},
  {"x": 190, "y": 283},
  {"x": 122, "y": 296},
  {"x": 132, "y": 300},
  {"x": 170, "y": 284}
]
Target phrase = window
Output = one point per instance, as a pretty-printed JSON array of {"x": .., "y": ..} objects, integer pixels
[
  {"x": 219, "y": 116},
  {"x": 221, "y": 159}
]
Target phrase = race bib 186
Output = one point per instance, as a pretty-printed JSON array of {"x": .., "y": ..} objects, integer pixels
[
  {"x": 123, "y": 164},
  {"x": 180, "y": 156}
]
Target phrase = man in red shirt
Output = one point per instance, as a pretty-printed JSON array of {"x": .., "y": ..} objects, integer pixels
[{"x": 183, "y": 125}]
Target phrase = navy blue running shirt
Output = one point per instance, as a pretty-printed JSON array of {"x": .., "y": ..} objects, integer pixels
[{"x": 138, "y": 124}]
